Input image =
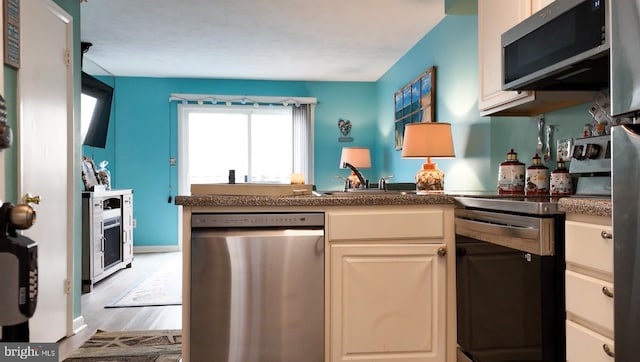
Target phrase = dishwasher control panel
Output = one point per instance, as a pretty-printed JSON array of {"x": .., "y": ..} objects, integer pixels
[{"x": 228, "y": 220}]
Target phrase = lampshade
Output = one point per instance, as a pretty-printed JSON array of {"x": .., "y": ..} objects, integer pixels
[
  {"x": 359, "y": 157},
  {"x": 431, "y": 139}
]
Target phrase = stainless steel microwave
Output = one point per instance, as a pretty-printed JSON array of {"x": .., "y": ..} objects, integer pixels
[{"x": 564, "y": 46}]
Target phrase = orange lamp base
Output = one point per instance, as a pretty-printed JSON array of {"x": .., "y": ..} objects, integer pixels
[{"x": 429, "y": 179}]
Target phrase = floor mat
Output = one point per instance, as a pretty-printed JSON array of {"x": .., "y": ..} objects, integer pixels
[
  {"x": 130, "y": 346},
  {"x": 162, "y": 288}
]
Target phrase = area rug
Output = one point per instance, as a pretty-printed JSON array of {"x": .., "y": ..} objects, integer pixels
[
  {"x": 130, "y": 346},
  {"x": 164, "y": 287}
]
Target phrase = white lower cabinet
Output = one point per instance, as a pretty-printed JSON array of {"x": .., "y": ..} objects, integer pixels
[
  {"x": 589, "y": 289},
  {"x": 388, "y": 295},
  {"x": 587, "y": 345}
]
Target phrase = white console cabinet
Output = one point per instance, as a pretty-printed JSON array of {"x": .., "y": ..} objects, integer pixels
[{"x": 107, "y": 234}]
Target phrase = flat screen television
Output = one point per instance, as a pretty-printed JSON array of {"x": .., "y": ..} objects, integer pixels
[{"x": 96, "y": 98}]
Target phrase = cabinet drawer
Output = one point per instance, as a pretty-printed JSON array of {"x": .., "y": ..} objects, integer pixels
[
  {"x": 586, "y": 345},
  {"x": 385, "y": 225},
  {"x": 586, "y": 300},
  {"x": 585, "y": 247}
]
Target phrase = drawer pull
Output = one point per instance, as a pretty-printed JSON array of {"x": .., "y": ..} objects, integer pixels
[
  {"x": 607, "y": 292},
  {"x": 606, "y": 235},
  {"x": 442, "y": 251},
  {"x": 608, "y": 351}
]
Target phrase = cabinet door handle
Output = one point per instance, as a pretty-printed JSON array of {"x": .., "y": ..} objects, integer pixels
[
  {"x": 442, "y": 251},
  {"x": 606, "y": 235},
  {"x": 607, "y": 292},
  {"x": 608, "y": 351}
]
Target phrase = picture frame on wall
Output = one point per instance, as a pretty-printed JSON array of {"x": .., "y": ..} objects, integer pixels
[{"x": 414, "y": 103}]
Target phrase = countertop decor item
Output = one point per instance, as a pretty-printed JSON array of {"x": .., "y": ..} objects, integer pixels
[
  {"x": 414, "y": 103},
  {"x": 536, "y": 178},
  {"x": 511, "y": 175},
  {"x": 355, "y": 158},
  {"x": 430, "y": 139}
]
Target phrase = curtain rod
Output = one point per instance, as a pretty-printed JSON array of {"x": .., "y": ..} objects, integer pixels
[{"x": 235, "y": 99}]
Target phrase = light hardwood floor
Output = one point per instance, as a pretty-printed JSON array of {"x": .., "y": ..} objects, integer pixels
[{"x": 96, "y": 316}]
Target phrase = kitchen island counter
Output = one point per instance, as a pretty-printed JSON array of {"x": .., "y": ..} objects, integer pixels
[
  {"x": 315, "y": 201},
  {"x": 572, "y": 205}
]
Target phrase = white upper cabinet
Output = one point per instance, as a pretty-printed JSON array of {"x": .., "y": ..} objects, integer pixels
[{"x": 494, "y": 18}]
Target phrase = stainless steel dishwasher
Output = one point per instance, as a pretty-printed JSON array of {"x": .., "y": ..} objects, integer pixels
[{"x": 257, "y": 287}]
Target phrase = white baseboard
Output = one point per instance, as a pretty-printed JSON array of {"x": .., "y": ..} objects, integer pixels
[
  {"x": 78, "y": 324},
  {"x": 155, "y": 249}
]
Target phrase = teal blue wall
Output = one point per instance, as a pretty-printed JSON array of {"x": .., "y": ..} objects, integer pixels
[
  {"x": 451, "y": 47},
  {"x": 143, "y": 135},
  {"x": 481, "y": 143},
  {"x": 521, "y": 133}
]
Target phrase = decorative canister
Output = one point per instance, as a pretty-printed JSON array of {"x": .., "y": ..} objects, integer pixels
[
  {"x": 537, "y": 177},
  {"x": 561, "y": 183},
  {"x": 511, "y": 175}
]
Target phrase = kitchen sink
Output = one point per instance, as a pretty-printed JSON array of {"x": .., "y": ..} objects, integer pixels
[{"x": 367, "y": 192}]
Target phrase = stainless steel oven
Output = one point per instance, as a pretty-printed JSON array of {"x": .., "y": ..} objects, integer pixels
[{"x": 510, "y": 279}]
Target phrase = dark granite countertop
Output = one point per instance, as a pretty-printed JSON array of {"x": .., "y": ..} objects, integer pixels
[
  {"x": 585, "y": 206},
  {"x": 325, "y": 200},
  {"x": 572, "y": 205}
]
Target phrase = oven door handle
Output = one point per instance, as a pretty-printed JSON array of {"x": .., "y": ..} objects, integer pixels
[{"x": 538, "y": 241}]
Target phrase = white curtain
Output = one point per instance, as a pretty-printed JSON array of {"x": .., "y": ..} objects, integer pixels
[{"x": 303, "y": 119}]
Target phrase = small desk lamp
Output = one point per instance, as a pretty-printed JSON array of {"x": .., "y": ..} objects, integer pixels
[
  {"x": 353, "y": 158},
  {"x": 429, "y": 139}
]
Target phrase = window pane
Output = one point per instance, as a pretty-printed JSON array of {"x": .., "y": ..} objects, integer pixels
[
  {"x": 217, "y": 143},
  {"x": 257, "y": 144},
  {"x": 271, "y": 148}
]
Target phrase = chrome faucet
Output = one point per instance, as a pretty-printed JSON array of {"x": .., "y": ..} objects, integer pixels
[
  {"x": 364, "y": 183},
  {"x": 382, "y": 183},
  {"x": 347, "y": 182}
]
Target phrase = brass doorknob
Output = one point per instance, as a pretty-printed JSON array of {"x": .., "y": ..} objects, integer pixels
[
  {"x": 22, "y": 216},
  {"x": 30, "y": 199}
]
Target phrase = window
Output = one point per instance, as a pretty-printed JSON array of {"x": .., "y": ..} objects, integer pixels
[{"x": 258, "y": 143}]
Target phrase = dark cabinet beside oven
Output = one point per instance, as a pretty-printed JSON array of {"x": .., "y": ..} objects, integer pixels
[{"x": 499, "y": 293}]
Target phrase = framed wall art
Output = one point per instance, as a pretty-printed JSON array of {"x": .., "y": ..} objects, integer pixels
[{"x": 414, "y": 103}]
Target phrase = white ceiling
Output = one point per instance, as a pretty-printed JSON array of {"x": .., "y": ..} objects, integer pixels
[{"x": 320, "y": 40}]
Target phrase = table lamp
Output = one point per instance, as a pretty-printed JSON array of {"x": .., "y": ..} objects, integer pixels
[
  {"x": 354, "y": 158},
  {"x": 429, "y": 139}
]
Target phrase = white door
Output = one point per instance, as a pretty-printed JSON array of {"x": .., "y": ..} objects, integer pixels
[{"x": 44, "y": 119}]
